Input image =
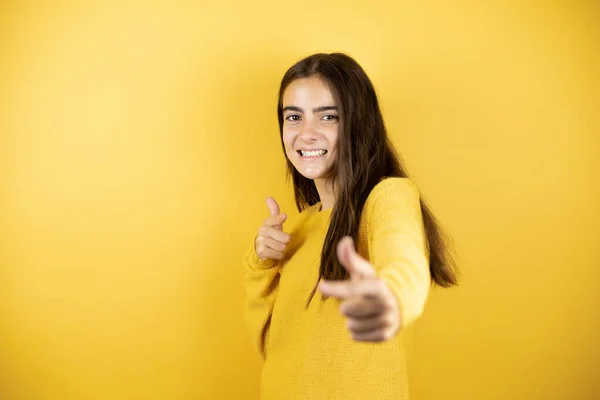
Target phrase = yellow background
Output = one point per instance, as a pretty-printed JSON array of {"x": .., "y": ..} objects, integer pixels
[{"x": 139, "y": 140}]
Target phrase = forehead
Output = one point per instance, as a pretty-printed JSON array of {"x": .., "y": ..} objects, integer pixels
[{"x": 309, "y": 91}]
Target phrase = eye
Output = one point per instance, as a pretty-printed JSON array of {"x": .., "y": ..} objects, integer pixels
[
  {"x": 330, "y": 117},
  {"x": 293, "y": 118}
]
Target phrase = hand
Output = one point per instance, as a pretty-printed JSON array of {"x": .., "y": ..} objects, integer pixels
[
  {"x": 371, "y": 308},
  {"x": 272, "y": 240}
]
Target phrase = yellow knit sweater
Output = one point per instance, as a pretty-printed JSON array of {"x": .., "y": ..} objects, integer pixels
[{"x": 309, "y": 353}]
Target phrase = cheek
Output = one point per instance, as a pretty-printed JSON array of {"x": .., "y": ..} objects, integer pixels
[
  {"x": 332, "y": 137},
  {"x": 288, "y": 141}
]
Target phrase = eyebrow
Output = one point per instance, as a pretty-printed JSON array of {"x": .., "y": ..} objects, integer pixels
[{"x": 315, "y": 110}]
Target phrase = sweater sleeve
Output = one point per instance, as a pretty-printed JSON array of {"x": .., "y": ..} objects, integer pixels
[
  {"x": 261, "y": 281},
  {"x": 397, "y": 244}
]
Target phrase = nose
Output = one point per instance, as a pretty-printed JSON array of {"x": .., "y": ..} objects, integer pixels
[{"x": 308, "y": 133}]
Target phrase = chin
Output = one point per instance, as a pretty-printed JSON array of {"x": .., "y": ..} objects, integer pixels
[
  {"x": 311, "y": 172},
  {"x": 312, "y": 175}
]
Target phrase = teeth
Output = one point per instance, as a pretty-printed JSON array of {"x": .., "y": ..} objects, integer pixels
[{"x": 313, "y": 153}]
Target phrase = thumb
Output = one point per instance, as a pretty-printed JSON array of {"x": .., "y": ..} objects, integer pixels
[
  {"x": 278, "y": 218},
  {"x": 273, "y": 206},
  {"x": 358, "y": 267}
]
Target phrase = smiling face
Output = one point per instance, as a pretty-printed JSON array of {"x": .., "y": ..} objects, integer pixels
[{"x": 310, "y": 127}]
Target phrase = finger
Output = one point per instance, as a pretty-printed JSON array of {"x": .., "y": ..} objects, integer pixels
[
  {"x": 266, "y": 253},
  {"x": 372, "y": 288},
  {"x": 377, "y": 335},
  {"x": 274, "y": 233},
  {"x": 337, "y": 289},
  {"x": 362, "y": 307},
  {"x": 273, "y": 206},
  {"x": 272, "y": 244},
  {"x": 382, "y": 322},
  {"x": 276, "y": 221},
  {"x": 358, "y": 267}
]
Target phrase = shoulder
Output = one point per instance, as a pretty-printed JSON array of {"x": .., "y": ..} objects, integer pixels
[
  {"x": 393, "y": 189},
  {"x": 392, "y": 198}
]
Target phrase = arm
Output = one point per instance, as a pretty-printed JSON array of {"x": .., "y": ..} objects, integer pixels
[
  {"x": 397, "y": 245},
  {"x": 262, "y": 275},
  {"x": 261, "y": 282}
]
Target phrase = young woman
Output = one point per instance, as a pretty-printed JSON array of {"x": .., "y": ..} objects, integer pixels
[{"x": 331, "y": 303}]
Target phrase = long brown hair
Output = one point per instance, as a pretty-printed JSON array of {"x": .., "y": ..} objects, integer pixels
[{"x": 365, "y": 156}]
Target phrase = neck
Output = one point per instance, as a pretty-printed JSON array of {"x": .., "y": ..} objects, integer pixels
[{"x": 325, "y": 189}]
